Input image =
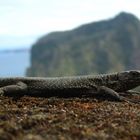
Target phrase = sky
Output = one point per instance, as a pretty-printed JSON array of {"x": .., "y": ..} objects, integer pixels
[{"x": 22, "y": 22}]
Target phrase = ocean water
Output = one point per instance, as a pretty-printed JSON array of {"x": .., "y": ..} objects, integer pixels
[{"x": 14, "y": 63}]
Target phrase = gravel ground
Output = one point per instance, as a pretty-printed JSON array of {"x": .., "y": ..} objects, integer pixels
[{"x": 32, "y": 118}]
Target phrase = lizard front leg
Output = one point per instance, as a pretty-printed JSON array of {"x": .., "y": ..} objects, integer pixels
[
  {"x": 114, "y": 95},
  {"x": 131, "y": 92},
  {"x": 16, "y": 88},
  {"x": 108, "y": 92}
]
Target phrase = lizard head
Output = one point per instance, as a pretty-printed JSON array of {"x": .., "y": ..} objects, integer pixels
[{"x": 131, "y": 77}]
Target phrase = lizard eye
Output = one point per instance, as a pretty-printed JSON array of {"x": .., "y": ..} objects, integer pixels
[{"x": 134, "y": 73}]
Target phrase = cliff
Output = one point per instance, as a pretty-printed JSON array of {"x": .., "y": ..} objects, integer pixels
[{"x": 98, "y": 47}]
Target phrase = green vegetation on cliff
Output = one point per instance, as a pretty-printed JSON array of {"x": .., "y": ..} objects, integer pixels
[{"x": 99, "y": 47}]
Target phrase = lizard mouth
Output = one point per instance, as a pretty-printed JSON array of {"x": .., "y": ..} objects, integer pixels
[{"x": 133, "y": 76}]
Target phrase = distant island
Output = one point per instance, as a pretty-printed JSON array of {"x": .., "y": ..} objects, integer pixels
[
  {"x": 99, "y": 47},
  {"x": 20, "y": 50}
]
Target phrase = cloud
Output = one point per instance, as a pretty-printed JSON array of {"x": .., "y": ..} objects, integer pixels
[{"x": 23, "y": 18}]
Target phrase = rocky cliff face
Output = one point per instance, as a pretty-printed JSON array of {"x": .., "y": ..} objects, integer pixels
[{"x": 98, "y": 47}]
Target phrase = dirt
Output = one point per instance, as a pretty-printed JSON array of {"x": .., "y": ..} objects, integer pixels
[{"x": 33, "y": 118}]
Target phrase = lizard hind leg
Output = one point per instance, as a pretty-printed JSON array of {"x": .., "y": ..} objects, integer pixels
[
  {"x": 1, "y": 92},
  {"x": 12, "y": 89}
]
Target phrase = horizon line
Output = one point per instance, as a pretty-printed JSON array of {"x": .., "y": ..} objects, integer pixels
[{"x": 15, "y": 50}]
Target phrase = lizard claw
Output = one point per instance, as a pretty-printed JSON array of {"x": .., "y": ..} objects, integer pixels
[{"x": 129, "y": 100}]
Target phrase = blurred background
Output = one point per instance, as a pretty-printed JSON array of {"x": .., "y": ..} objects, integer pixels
[{"x": 68, "y": 37}]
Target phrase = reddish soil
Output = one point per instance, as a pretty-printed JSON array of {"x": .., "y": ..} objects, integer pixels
[{"x": 30, "y": 118}]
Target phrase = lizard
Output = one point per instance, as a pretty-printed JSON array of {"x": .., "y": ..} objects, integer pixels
[{"x": 113, "y": 85}]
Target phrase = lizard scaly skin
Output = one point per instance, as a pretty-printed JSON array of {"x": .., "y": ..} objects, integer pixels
[{"x": 106, "y": 84}]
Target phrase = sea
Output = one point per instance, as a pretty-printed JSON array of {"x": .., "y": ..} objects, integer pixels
[{"x": 14, "y": 63}]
